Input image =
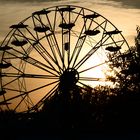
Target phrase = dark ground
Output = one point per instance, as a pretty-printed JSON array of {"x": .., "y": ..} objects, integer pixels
[{"x": 118, "y": 119}]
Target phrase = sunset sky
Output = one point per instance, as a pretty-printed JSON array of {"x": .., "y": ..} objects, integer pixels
[{"x": 124, "y": 14}]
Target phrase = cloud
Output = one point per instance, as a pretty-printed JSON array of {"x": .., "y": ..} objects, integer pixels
[
  {"x": 124, "y": 3},
  {"x": 129, "y": 3},
  {"x": 127, "y": 11},
  {"x": 26, "y": 1}
]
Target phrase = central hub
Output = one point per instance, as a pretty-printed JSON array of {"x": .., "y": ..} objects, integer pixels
[{"x": 68, "y": 79}]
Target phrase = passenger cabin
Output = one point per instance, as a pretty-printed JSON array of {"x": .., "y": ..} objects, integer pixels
[
  {"x": 19, "y": 42},
  {"x": 4, "y": 48},
  {"x": 41, "y": 29},
  {"x": 42, "y": 12},
  {"x": 113, "y": 49},
  {"x": 6, "y": 65},
  {"x": 67, "y": 25},
  {"x": 35, "y": 43},
  {"x": 67, "y": 46},
  {"x": 4, "y": 103},
  {"x": 112, "y": 32},
  {"x": 95, "y": 15},
  {"x": 92, "y": 32},
  {"x": 1, "y": 74},
  {"x": 47, "y": 35},
  {"x": 83, "y": 36},
  {"x": 2, "y": 92},
  {"x": 17, "y": 26},
  {"x": 66, "y": 32},
  {"x": 66, "y": 9},
  {"x": 25, "y": 57}
]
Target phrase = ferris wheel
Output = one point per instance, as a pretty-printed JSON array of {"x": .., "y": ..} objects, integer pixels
[{"x": 51, "y": 51}]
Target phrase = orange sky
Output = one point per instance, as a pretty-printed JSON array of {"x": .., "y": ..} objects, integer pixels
[{"x": 124, "y": 15}]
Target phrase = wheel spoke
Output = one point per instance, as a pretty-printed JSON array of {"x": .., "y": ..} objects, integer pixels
[
  {"x": 33, "y": 62},
  {"x": 52, "y": 91},
  {"x": 47, "y": 96},
  {"x": 23, "y": 36},
  {"x": 13, "y": 67},
  {"x": 82, "y": 39},
  {"x": 90, "y": 53},
  {"x": 52, "y": 41},
  {"x": 42, "y": 51},
  {"x": 10, "y": 89},
  {"x": 63, "y": 41},
  {"x": 112, "y": 43},
  {"x": 84, "y": 85},
  {"x": 91, "y": 79},
  {"x": 78, "y": 46},
  {"x": 10, "y": 82},
  {"x": 24, "y": 75},
  {"x": 28, "y": 92},
  {"x": 23, "y": 99},
  {"x": 87, "y": 69}
]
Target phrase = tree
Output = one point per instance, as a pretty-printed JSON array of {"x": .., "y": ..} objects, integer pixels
[
  {"x": 126, "y": 80},
  {"x": 126, "y": 70}
]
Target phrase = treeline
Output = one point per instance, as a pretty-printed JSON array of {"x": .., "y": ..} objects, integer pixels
[{"x": 102, "y": 109}]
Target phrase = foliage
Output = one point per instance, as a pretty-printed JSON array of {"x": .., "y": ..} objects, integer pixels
[
  {"x": 126, "y": 70},
  {"x": 102, "y": 108}
]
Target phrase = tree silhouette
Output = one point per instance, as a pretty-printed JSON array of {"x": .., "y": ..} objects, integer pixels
[
  {"x": 126, "y": 78},
  {"x": 87, "y": 109},
  {"x": 126, "y": 70}
]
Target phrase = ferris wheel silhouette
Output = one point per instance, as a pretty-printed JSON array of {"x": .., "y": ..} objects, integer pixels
[{"x": 52, "y": 51}]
